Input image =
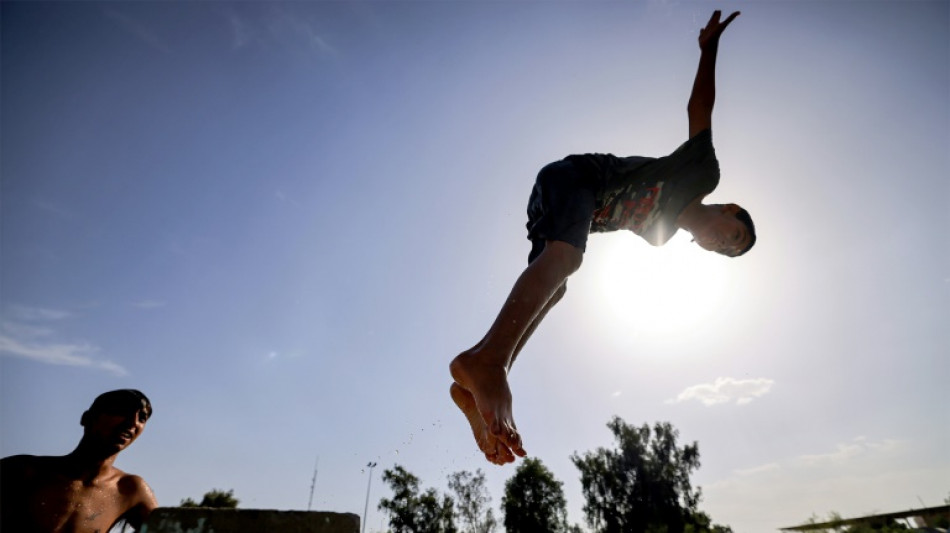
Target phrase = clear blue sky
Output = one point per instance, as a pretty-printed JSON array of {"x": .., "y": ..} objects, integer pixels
[{"x": 282, "y": 220}]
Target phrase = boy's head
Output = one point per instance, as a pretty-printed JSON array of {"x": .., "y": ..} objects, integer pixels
[
  {"x": 121, "y": 401},
  {"x": 728, "y": 231},
  {"x": 116, "y": 418}
]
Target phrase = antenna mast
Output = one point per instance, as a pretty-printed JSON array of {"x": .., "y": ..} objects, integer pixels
[{"x": 313, "y": 483}]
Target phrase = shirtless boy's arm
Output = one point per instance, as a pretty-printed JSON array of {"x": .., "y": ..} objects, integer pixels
[
  {"x": 703, "y": 96},
  {"x": 14, "y": 472},
  {"x": 142, "y": 498}
]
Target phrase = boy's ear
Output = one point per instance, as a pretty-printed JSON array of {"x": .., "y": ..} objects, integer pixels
[{"x": 84, "y": 418}]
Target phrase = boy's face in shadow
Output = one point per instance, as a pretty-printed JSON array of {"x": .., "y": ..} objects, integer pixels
[
  {"x": 724, "y": 234},
  {"x": 114, "y": 431}
]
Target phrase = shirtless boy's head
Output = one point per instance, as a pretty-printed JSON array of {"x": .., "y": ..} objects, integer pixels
[
  {"x": 121, "y": 401},
  {"x": 82, "y": 491},
  {"x": 115, "y": 419}
]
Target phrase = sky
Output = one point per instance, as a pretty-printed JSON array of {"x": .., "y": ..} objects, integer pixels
[{"x": 281, "y": 220}]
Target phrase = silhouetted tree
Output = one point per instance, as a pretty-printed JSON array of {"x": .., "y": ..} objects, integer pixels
[
  {"x": 642, "y": 485},
  {"x": 214, "y": 498},
  {"x": 833, "y": 525},
  {"x": 472, "y": 502},
  {"x": 412, "y": 512},
  {"x": 884, "y": 526},
  {"x": 534, "y": 500}
]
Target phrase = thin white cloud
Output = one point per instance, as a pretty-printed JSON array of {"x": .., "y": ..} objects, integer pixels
[
  {"x": 36, "y": 314},
  {"x": 22, "y": 337},
  {"x": 664, "y": 7},
  {"x": 725, "y": 390},
  {"x": 858, "y": 449},
  {"x": 287, "y": 27},
  {"x": 847, "y": 451},
  {"x": 58, "y": 354},
  {"x": 781, "y": 497},
  {"x": 137, "y": 29},
  {"x": 25, "y": 331},
  {"x": 285, "y": 198},
  {"x": 241, "y": 34},
  {"x": 755, "y": 470},
  {"x": 844, "y": 479},
  {"x": 51, "y": 207},
  {"x": 149, "y": 304},
  {"x": 279, "y": 27},
  {"x": 274, "y": 355}
]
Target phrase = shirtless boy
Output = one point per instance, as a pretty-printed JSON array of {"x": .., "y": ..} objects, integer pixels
[
  {"x": 589, "y": 193},
  {"x": 81, "y": 492}
]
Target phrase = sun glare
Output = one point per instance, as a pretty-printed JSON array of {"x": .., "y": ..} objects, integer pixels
[{"x": 659, "y": 291}]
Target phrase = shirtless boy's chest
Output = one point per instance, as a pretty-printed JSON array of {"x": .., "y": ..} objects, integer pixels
[{"x": 71, "y": 506}]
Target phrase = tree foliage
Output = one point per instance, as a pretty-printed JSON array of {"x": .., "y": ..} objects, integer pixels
[
  {"x": 834, "y": 524},
  {"x": 413, "y": 512},
  {"x": 643, "y": 485},
  {"x": 214, "y": 498},
  {"x": 472, "y": 502},
  {"x": 884, "y": 526},
  {"x": 534, "y": 500}
]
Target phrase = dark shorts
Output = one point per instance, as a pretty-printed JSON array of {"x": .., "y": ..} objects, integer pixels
[{"x": 561, "y": 207}]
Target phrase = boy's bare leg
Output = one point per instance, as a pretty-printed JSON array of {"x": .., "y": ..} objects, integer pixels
[
  {"x": 495, "y": 451},
  {"x": 558, "y": 294},
  {"x": 482, "y": 370}
]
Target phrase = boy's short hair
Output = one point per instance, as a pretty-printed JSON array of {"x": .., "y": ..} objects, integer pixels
[
  {"x": 121, "y": 401},
  {"x": 743, "y": 216}
]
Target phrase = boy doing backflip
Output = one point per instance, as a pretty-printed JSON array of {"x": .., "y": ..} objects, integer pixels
[{"x": 653, "y": 197}]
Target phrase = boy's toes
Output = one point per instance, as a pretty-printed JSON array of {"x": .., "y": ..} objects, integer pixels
[
  {"x": 508, "y": 436},
  {"x": 500, "y": 455}
]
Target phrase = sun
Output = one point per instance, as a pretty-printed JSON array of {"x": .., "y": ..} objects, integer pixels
[{"x": 647, "y": 291}]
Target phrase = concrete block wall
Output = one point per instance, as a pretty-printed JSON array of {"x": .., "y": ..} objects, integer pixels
[{"x": 207, "y": 520}]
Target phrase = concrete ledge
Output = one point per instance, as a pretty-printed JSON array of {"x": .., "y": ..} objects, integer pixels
[{"x": 208, "y": 520}]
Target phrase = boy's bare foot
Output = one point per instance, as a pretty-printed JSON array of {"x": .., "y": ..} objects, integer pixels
[
  {"x": 488, "y": 385},
  {"x": 494, "y": 450}
]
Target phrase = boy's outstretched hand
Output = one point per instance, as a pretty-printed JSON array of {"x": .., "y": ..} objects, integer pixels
[{"x": 709, "y": 36}]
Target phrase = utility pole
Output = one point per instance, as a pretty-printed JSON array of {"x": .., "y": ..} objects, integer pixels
[
  {"x": 313, "y": 483},
  {"x": 371, "y": 466}
]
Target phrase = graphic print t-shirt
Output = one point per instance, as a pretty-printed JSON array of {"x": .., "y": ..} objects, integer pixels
[{"x": 646, "y": 194}]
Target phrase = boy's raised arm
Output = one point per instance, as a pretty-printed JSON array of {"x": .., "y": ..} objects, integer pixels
[{"x": 704, "y": 86}]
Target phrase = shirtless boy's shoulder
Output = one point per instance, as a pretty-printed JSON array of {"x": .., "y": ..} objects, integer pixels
[{"x": 21, "y": 467}]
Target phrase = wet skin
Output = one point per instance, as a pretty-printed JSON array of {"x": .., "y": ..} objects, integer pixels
[
  {"x": 482, "y": 370},
  {"x": 81, "y": 492}
]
